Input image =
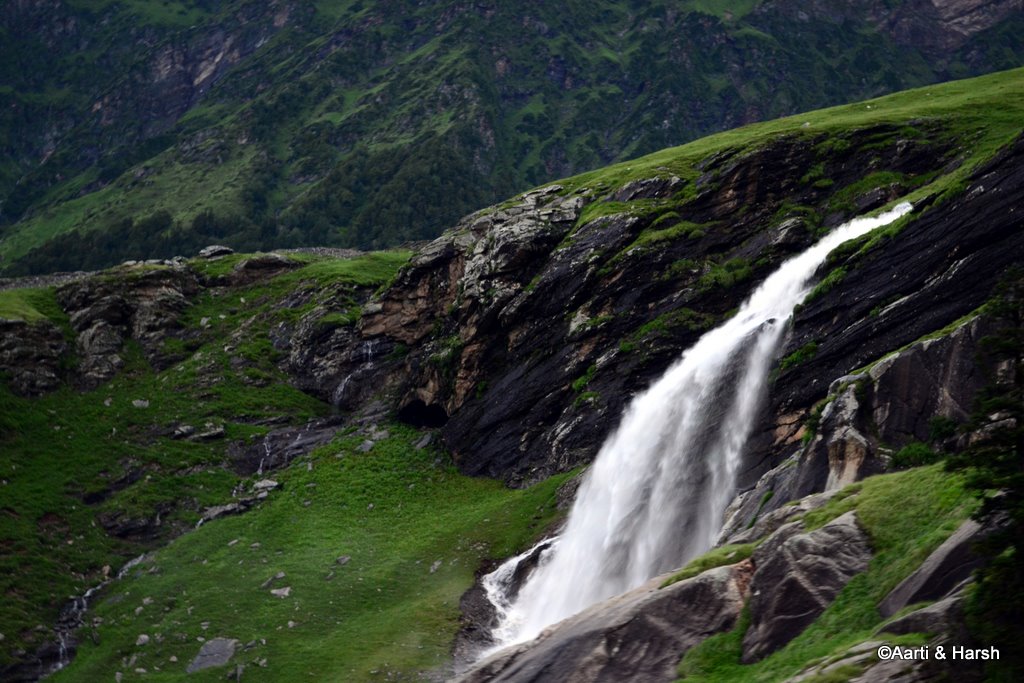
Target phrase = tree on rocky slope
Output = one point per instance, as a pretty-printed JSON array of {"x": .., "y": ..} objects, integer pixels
[{"x": 994, "y": 464}]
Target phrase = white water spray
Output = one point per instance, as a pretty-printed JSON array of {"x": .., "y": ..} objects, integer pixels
[{"x": 655, "y": 495}]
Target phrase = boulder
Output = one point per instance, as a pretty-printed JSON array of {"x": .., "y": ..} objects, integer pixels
[
  {"x": 948, "y": 565},
  {"x": 944, "y": 617},
  {"x": 799, "y": 575},
  {"x": 215, "y": 251},
  {"x": 214, "y": 652},
  {"x": 638, "y": 636}
]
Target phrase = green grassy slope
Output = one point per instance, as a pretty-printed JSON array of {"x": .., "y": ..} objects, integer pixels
[
  {"x": 64, "y": 449},
  {"x": 415, "y": 531}
]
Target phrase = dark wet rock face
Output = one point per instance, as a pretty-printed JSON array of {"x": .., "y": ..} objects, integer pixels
[
  {"x": 531, "y": 331},
  {"x": 940, "y": 267},
  {"x": 870, "y": 413},
  {"x": 798, "y": 575}
]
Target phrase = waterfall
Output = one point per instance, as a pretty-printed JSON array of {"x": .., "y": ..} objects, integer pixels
[{"x": 655, "y": 495}]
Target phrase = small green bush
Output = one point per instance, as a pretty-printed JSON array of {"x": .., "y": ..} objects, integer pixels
[{"x": 914, "y": 454}]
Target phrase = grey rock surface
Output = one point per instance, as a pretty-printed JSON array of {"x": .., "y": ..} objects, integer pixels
[
  {"x": 798, "y": 575},
  {"x": 636, "y": 637},
  {"x": 214, "y": 652},
  {"x": 948, "y": 565}
]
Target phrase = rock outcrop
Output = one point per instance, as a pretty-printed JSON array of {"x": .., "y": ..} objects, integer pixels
[
  {"x": 528, "y": 325},
  {"x": 949, "y": 566},
  {"x": 637, "y": 637},
  {"x": 869, "y": 415},
  {"x": 142, "y": 302},
  {"x": 30, "y": 356},
  {"x": 940, "y": 267},
  {"x": 798, "y": 575}
]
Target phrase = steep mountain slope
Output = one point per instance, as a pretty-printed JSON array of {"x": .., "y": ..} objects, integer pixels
[
  {"x": 132, "y": 129},
  {"x": 316, "y": 415}
]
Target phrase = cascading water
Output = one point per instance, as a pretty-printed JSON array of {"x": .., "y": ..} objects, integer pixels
[{"x": 655, "y": 495}]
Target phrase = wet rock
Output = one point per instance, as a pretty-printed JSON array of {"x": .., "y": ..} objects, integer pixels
[
  {"x": 799, "y": 575},
  {"x": 235, "y": 508},
  {"x": 265, "y": 485},
  {"x": 638, "y": 636},
  {"x": 214, "y": 652},
  {"x": 942, "y": 267},
  {"x": 281, "y": 446},
  {"x": 210, "y": 433},
  {"x": 735, "y": 532},
  {"x": 183, "y": 432},
  {"x": 858, "y": 657},
  {"x": 888, "y": 406},
  {"x": 944, "y": 617}
]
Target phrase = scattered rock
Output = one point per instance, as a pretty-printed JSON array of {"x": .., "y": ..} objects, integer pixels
[
  {"x": 183, "y": 432},
  {"x": 214, "y": 652},
  {"x": 365, "y": 446},
  {"x": 435, "y": 566},
  {"x": 143, "y": 639},
  {"x": 342, "y": 560},
  {"x": 210, "y": 432},
  {"x": 275, "y": 577},
  {"x": 141, "y": 403},
  {"x": 265, "y": 485},
  {"x": 281, "y": 592}
]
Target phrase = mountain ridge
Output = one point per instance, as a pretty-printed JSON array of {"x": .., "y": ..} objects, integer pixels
[{"x": 288, "y": 124}]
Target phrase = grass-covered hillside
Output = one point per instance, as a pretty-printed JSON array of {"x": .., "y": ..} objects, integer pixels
[
  {"x": 91, "y": 479},
  {"x": 136, "y": 128}
]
